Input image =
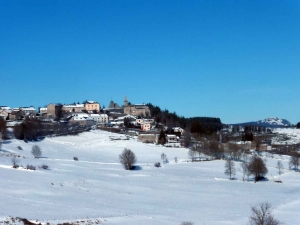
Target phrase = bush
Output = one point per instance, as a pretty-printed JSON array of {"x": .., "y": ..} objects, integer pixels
[
  {"x": 30, "y": 167},
  {"x": 20, "y": 148},
  {"x": 157, "y": 164},
  {"x": 127, "y": 159},
  {"x": 187, "y": 223},
  {"x": 262, "y": 215},
  {"x": 257, "y": 167},
  {"x": 44, "y": 166},
  {"x": 75, "y": 158},
  {"x": 15, "y": 162},
  {"x": 36, "y": 151}
]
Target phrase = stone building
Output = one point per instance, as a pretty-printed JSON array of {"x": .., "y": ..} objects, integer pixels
[
  {"x": 28, "y": 111},
  {"x": 54, "y": 109},
  {"x": 73, "y": 108},
  {"x": 136, "y": 109},
  {"x": 92, "y": 106}
]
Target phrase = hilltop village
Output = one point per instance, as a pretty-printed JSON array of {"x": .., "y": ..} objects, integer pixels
[
  {"x": 149, "y": 123},
  {"x": 60, "y": 119}
]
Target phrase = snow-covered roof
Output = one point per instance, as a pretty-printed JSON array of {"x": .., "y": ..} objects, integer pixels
[
  {"x": 79, "y": 118},
  {"x": 81, "y": 115},
  {"x": 5, "y": 107},
  {"x": 43, "y": 108},
  {"x": 27, "y": 108},
  {"x": 74, "y": 106},
  {"x": 94, "y": 115},
  {"x": 92, "y": 102},
  {"x": 6, "y": 110},
  {"x": 2, "y": 115}
]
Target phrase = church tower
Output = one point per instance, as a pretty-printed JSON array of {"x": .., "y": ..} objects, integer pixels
[{"x": 125, "y": 101}]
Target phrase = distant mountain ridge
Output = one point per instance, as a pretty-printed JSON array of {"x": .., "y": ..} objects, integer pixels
[{"x": 268, "y": 122}]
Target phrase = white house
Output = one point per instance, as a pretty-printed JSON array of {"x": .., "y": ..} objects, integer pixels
[
  {"x": 96, "y": 117},
  {"x": 104, "y": 118},
  {"x": 171, "y": 138}
]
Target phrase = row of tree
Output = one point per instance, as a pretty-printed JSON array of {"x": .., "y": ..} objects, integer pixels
[
  {"x": 255, "y": 167},
  {"x": 216, "y": 150},
  {"x": 201, "y": 125},
  {"x": 32, "y": 128}
]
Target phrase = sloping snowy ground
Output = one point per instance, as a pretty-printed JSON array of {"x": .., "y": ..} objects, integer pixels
[
  {"x": 293, "y": 136},
  {"x": 97, "y": 187}
]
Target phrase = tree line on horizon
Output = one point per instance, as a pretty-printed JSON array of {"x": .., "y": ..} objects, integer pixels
[{"x": 200, "y": 125}]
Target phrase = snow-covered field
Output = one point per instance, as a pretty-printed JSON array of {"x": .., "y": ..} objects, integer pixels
[{"x": 98, "y": 188}]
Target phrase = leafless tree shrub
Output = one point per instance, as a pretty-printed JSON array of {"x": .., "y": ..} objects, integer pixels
[
  {"x": 15, "y": 161},
  {"x": 186, "y": 141},
  {"x": 30, "y": 167},
  {"x": 44, "y": 167},
  {"x": 244, "y": 169},
  {"x": 234, "y": 151},
  {"x": 20, "y": 148},
  {"x": 279, "y": 167},
  {"x": 192, "y": 154},
  {"x": 257, "y": 167},
  {"x": 127, "y": 159},
  {"x": 157, "y": 164},
  {"x": 164, "y": 158},
  {"x": 215, "y": 150},
  {"x": 187, "y": 223},
  {"x": 75, "y": 158},
  {"x": 294, "y": 161},
  {"x": 262, "y": 215},
  {"x": 229, "y": 168},
  {"x": 3, "y": 129},
  {"x": 36, "y": 151}
]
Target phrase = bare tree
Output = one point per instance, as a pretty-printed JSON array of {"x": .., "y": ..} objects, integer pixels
[
  {"x": 187, "y": 223},
  {"x": 229, "y": 168},
  {"x": 244, "y": 169},
  {"x": 186, "y": 141},
  {"x": 215, "y": 150},
  {"x": 36, "y": 151},
  {"x": 127, "y": 159},
  {"x": 15, "y": 162},
  {"x": 163, "y": 157},
  {"x": 262, "y": 215},
  {"x": 233, "y": 151},
  {"x": 198, "y": 148},
  {"x": 294, "y": 161},
  {"x": 257, "y": 167},
  {"x": 279, "y": 167},
  {"x": 3, "y": 128},
  {"x": 192, "y": 154}
]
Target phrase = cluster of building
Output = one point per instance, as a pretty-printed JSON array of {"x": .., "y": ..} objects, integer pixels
[
  {"x": 87, "y": 113},
  {"x": 136, "y": 118}
]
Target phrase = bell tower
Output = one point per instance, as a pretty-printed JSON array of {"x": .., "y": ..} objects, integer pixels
[{"x": 125, "y": 101}]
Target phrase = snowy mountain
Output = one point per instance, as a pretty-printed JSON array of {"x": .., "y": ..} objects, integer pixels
[
  {"x": 269, "y": 122},
  {"x": 274, "y": 121}
]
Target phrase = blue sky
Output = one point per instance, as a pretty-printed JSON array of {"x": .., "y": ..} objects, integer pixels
[{"x": 237, "y": 60}]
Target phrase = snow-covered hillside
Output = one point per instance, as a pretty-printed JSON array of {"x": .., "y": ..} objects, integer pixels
[
  {"x": 268, "y": 122},
  {"x": 98, "y": 188},
  {"x": 274, "y": 121},
  {"x": 286, "y": 136}
]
